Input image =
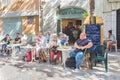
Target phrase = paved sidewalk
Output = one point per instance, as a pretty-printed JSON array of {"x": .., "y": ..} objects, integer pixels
[{"x": 18, "y": 70}]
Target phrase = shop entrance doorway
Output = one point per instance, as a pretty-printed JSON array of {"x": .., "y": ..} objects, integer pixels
[
  {"x": 70, "y": 21},
  {"x": 72, "y": 28}
]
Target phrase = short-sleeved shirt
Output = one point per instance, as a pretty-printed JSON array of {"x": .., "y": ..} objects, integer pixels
[
  {"x": 17, "y": 39},
  {"x": 43, "y": 41},
  {"x": 112, "y": 37},
  {"x": 82, "y": 43}
]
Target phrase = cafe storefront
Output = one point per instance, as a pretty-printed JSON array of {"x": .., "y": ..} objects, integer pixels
[
  {"x": 70, "y": 21},
  {"x": 69, "y": 17}
]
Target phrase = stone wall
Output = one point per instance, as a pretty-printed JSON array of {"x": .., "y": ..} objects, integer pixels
[
  {"x": 49, "y": 17},
  {"x": 107, "y": 10},
  {"x": 20, "y": 6}
]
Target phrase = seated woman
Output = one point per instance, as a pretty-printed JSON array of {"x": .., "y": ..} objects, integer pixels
[
  {"x": 6, "y": 41},
  {"x": 110, "y": 40},
  {"x": 54, "y": 43}
]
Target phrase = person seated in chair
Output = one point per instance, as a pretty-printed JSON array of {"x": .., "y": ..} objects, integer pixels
[
  {"x": 6, "y": 41},
  {"x": 41, "y": 46},
  {"x": 54, "y": 43},
  {"x": 80, "y": 45},
  {"x": 111, "y": 40},
  {"x": 17, "y": 40}
]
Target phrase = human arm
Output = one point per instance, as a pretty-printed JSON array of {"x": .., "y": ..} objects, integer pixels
[
  {"x": 3, "y": 40},
  {"x": 84, "y": 44},
  {"x": 76, "y": 45},
  {"x": 54, "y": 43},
  {"x": 89, "y": 45}
]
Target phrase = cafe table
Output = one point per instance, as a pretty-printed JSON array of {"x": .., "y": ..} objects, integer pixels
[
  {"x": 13, "y": 49},
  {"x": 65, "y": 53}
]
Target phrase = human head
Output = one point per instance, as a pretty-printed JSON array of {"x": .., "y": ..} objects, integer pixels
[
  {"x": 54, "y": 37},
  {"x": 83, "y": 36},
  {"x": 17, "y": 34},
  {"x": 7, "y": 35},
  {"x": 48, "y": 32},
  {"x": 110, "y": 31},
  {"x": 60, "y": 33},
  {"x": 40, "y": 34}
]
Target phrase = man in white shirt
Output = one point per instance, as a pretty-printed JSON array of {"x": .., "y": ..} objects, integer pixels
[{"x": 40, "y": 43}]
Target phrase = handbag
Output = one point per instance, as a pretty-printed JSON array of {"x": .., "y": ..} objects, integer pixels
[{"x": 54, "y": 48}]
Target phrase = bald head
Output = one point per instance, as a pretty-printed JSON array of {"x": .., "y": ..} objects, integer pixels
[{"x": 83, "y": 36}]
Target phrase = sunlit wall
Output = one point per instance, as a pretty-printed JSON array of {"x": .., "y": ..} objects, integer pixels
[{"x": 51, "y": 7}]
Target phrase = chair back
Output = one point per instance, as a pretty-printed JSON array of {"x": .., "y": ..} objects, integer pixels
[
  {"x": 106, "y": 52},
  {"x": 100, "y": 50},
  {"x": 115, "y": 45},
  {"x": 101, "y": 55}
]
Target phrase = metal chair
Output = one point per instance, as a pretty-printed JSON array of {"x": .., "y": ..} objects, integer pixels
[{"x": 101, "y": 55}]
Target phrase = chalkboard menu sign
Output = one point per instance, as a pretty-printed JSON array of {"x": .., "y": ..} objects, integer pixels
[{"x": 93, "y": 33}]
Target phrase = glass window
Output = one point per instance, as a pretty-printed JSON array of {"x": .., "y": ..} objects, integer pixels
[{"x": 30, "y": 19}]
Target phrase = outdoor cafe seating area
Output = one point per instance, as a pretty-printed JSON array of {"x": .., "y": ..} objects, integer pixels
[{"x": 65, "y": 49}]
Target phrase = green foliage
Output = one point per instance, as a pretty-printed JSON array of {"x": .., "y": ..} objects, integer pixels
[{"x": 85, "y": 14}]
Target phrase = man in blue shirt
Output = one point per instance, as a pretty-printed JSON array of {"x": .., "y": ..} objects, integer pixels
[{"x": 80, "y": 45}]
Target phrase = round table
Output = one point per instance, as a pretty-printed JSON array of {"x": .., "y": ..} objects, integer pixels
[{"x": 65, "y": 53}]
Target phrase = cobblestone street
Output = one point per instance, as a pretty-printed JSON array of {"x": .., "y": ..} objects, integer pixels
[{"x": 18, "y": 70}]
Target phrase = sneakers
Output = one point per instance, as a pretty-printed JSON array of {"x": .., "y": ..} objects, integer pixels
[{"x": 77, "y": 70}]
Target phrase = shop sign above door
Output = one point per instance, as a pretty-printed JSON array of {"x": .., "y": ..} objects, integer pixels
[{"x": 71, "y": 13}]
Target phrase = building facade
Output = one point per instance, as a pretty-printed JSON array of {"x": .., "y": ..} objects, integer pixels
[
  {"x": 109, "y": 10},
  {"x": 59, "y": 13},
  {"x": 19, "y": 16}
]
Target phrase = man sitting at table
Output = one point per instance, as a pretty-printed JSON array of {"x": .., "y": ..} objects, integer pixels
[
  {"x": 41, "y": 45},
  {"x": 17, "y": 41},
  {"x": 80, "y": 45}
]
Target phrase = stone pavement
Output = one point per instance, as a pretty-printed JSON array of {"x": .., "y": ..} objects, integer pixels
[{"x": 11, "y": 69}]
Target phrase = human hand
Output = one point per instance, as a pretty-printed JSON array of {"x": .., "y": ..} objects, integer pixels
[{"x": 81, "y": 47}]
